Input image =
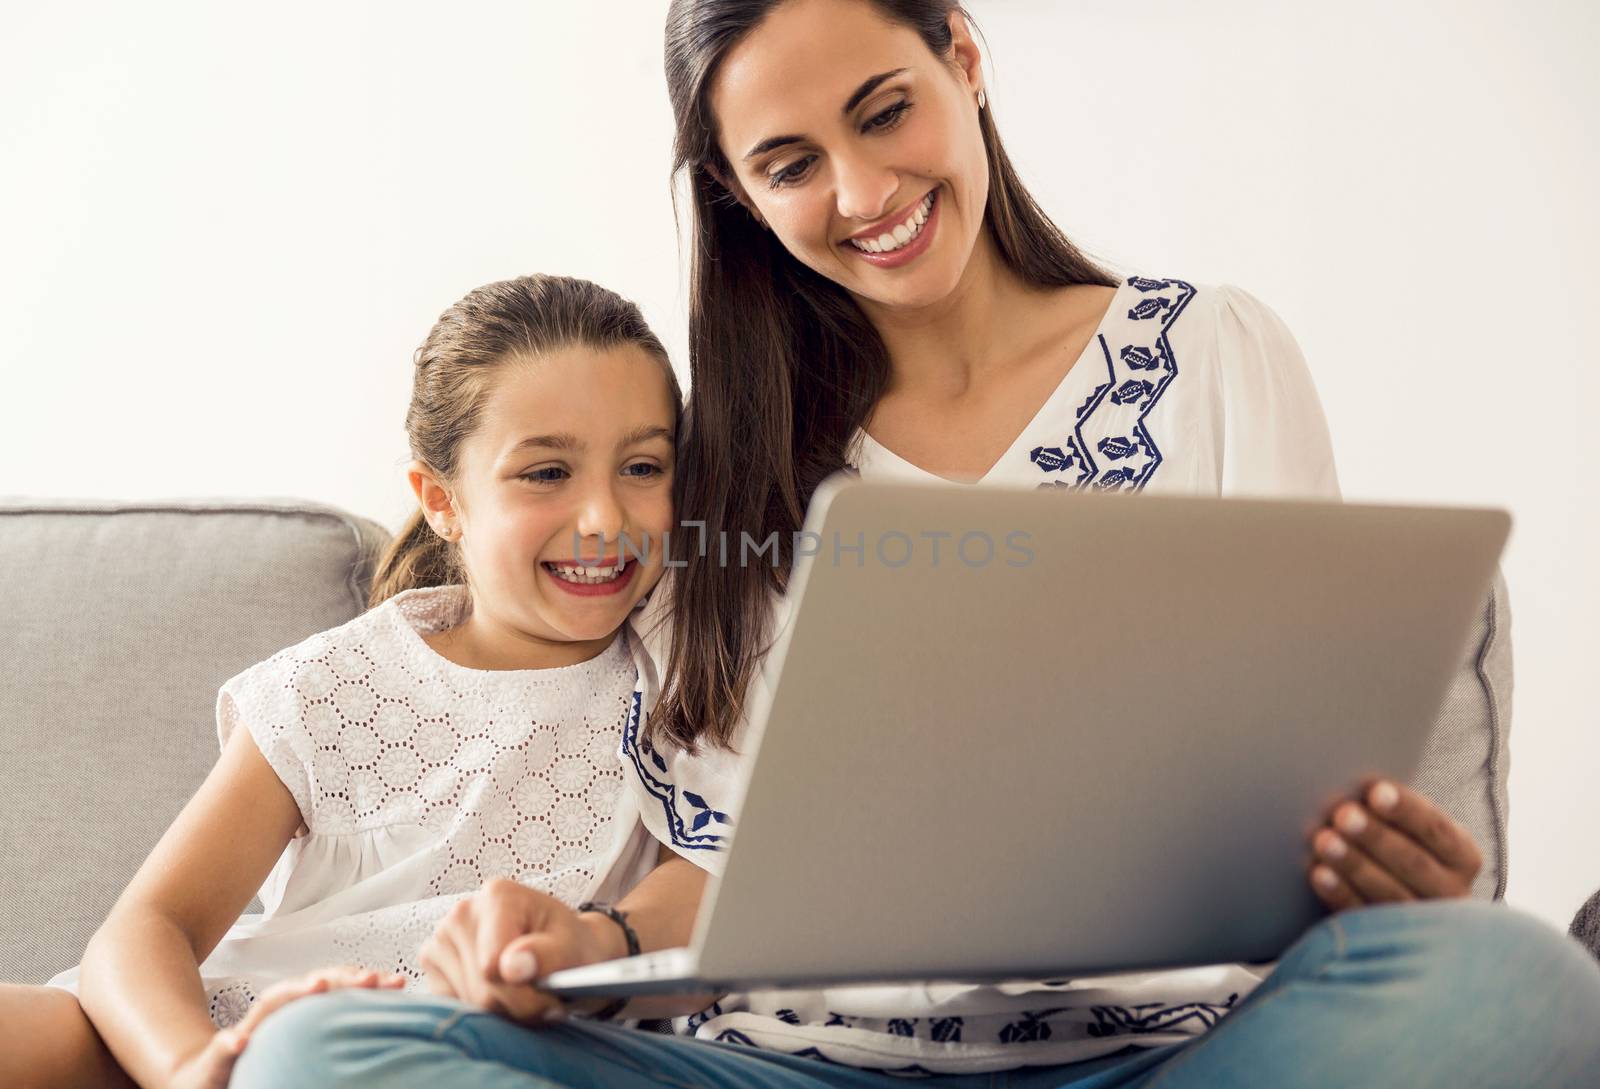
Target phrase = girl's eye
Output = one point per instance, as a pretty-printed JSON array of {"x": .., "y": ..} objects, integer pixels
[
  {"x": 791, "y": 173},
  {"x": 550, "y": 474},
  {"x": 643, "y": 470},
  {"x": 888, "y": 119}
]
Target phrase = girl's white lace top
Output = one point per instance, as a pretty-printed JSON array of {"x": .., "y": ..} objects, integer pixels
[{"x": 418, "y": 780}]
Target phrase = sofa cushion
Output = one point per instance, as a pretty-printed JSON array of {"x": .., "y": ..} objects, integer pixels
[
  {"x": 125, "y": 620},
  {"x": 1465, "y": 762}
]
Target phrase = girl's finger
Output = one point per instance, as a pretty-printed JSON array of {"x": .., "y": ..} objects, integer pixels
[
  {"x": 454, "y": 952},
  {"x": 275, "y": 998},
  {"x": 218, "y": 1058},
  {"x": 1418, "y": 817},
  {"x": 1355, "y": 867},
  {"x": 1408, "y": 861},
  {"x": 437, "y": 976}
]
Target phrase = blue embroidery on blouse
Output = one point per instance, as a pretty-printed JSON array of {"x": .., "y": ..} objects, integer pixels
[
  {"x": 1032, "y": 1029},
  {"x": 1154, "y": 1017},
  {"x": 1117, "y": 448},
  {"x": 698, "y": 1019},
  {"x": 1050, "y": 458},
  {"x": 1146, "y": 309},
  {"x": 1112, "y": 421},
  {"x": 691, "y": 838},
  {"x": 1140, "y": 358}
]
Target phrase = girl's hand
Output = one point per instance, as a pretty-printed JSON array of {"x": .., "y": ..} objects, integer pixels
[
  {"x": 491, "y": 946},
  {"x": 1396, "y": 846},
  {"x": 211, "y": 1067}
]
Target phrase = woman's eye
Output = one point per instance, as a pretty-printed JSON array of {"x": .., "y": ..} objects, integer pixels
[
  {"x": 791, "y": 173},
  {"x": 888, "y": 119},
  {"x": 550, "y": 474},
  {"x": 643, "y": 470}
]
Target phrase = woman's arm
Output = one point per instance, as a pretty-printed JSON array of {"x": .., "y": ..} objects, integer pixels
[
  {"x": 491, "y": 946},
  {"x": 140, "y": 978}
]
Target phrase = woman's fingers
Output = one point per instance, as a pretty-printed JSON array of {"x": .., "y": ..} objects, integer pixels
[
  {"x": 1416, "y": 865},
  {"x": 1332, "y": 889},
  {"x": 1373, "y": 883},
  {"x": 1424, "y": 822},
  {"x": 1398, "y": 846},
  {"x": 1411, "y": 864}
]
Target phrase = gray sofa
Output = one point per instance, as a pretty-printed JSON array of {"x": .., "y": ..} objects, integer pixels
[{"x": 125, "y": 618}]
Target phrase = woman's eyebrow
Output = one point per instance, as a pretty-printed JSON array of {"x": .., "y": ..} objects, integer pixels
[{"x": 868, "y": 85}]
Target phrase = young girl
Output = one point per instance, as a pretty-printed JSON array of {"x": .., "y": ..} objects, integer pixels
[{"x": 465, "y": 728}]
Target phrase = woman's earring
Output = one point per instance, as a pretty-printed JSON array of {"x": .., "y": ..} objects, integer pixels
[{"x": 983, "y": 100}]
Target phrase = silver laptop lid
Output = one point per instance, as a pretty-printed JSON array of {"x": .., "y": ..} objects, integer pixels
[{"x": 1092, "y": 733}]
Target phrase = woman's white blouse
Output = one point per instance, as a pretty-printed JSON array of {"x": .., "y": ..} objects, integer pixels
[
  {"x": 1183, "y": 390},
  {"x": 418, "y": 780}
]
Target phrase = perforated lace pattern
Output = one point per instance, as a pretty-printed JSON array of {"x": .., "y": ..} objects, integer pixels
[{"x": 515, "y": 773}]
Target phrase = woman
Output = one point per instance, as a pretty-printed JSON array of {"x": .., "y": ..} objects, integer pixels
[{"x": 873, "y": 287}]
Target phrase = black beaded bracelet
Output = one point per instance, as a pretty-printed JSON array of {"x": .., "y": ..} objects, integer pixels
[{"x": 628, "y": 934}]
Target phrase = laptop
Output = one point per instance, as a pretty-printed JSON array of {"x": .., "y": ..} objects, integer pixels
[{"x": 1021, "y": 734}]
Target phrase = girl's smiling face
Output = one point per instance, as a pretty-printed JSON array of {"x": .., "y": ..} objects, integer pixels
[
  {"x": 858, "y": 147},
  {"x": 570, "y": 464}
]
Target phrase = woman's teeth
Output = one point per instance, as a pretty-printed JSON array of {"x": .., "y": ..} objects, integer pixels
[
  {"x": 889, "y": 241},
  {"x": 572, "y": 572}
]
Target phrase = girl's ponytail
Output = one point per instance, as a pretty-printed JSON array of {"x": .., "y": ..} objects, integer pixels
[{"x": 416, "y": 557}]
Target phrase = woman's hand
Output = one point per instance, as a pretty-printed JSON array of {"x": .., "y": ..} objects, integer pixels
[
  {"x": 491, "y": 946},
  {"x": 211, "y": 1067},
  {"x": 1396, "y": 846}
]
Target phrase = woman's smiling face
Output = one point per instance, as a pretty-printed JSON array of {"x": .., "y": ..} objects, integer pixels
[{"x": 857, "y": 146}]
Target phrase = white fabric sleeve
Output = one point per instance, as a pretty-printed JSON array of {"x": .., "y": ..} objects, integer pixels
[
  {"x": 1275, "y": 437},
  {"x": 264, "y": 700}
]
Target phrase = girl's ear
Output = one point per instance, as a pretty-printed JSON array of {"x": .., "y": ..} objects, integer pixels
[
  {"x": 433, "y": 496},
  {"x": 731, "y": 184}
]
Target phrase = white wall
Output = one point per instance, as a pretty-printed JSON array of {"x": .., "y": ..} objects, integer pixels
[{"x": 223, "y": 233}]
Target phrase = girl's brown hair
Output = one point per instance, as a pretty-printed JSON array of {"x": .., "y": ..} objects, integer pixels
[
  {"x": 510, "y": 320},
  {"x": 783, "y": 365}
]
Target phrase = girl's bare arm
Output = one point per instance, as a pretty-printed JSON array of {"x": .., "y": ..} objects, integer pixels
[{"x": 140, "y": 978}]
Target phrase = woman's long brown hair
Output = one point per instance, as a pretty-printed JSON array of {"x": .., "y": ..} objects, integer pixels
[{"x": 784, "y": 368}]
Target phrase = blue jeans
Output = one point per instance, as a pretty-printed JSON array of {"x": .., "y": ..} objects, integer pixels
[{"x": 1458, "y": 995}]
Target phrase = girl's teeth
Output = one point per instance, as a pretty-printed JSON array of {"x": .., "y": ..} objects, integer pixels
[{"x": 583, "y": 574}]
